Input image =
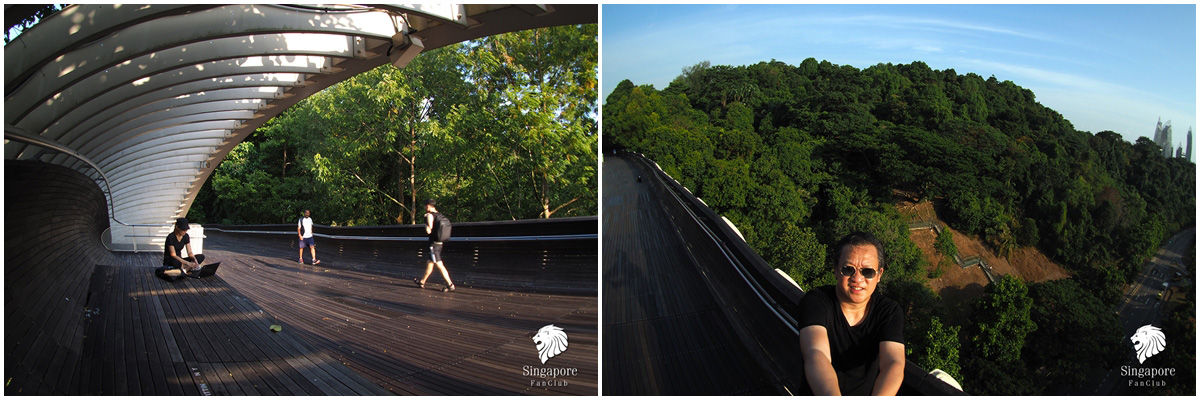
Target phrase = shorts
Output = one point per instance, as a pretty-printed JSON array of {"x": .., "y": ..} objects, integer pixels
[
  {"x": 307, "y": 242},
  {"x": 435, "y": 252}
]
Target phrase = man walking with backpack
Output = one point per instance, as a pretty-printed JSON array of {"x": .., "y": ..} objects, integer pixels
[
  {"x": 304, "y": 230},
  {"x": 438, "y": 228}
]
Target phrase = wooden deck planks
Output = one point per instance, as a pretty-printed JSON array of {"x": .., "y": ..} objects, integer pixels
[
  {"x": 664, "y": 331},
  {"x": 146, "y": 336},
  {"x": 371, "y": 317}
]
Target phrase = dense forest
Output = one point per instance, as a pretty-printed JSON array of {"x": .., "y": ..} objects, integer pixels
[
  {"x": 798, "y": 156},
  {"x": 499, "y": 128}
]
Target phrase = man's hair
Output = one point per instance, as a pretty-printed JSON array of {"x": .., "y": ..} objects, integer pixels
[
  {"x": 859, "y": 239},
  {"x": 430, "y": 202}
]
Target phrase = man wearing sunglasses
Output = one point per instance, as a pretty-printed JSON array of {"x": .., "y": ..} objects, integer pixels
[{"x": 853, "y": 340}]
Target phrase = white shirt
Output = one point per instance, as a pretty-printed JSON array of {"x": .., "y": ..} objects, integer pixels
[{"x": 307, "y": 224}]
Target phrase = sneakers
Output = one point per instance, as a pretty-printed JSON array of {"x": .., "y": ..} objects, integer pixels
[
  {"x": 448, "y": 288},
  {"x": 301, "y": 260},
  {"x": 316, "y": 262}
]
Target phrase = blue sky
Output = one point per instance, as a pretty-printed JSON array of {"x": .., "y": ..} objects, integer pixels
[{"x": 1103, "y": 67}]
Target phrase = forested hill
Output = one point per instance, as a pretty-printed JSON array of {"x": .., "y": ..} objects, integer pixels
[
  {"x": 797, "y": 156},
  {"x": 498, "y": 128}
]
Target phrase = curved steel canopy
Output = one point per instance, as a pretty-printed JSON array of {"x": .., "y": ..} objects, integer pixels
[{"x": 150, "y": 98}]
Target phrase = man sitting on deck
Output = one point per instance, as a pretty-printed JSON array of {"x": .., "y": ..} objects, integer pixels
[
  {"x": 173, "y": 257},
  {"x": 853, "y": 341}
]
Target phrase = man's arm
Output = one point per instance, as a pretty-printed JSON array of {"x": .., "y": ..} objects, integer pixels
[
  {"x": 190, "y": 254},
  {"x": 891, "y": 369},
  {"x": 428, "y": 223},
  {"x": 300, "y": 228},
  {"x": 171, "y": 252},
  {"x": 818, "y": 363}
]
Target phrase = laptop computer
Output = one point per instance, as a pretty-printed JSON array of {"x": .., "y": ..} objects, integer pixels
[{"x": 205, "y": 271}]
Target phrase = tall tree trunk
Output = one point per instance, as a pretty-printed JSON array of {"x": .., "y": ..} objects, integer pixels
[
  {"x": 545, "y": 196},
  {"x": 412, "y": 185},
  {"x": 400, "y": 189}
]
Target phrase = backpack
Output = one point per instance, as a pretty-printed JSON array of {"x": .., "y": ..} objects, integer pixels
[{"x": 441, "y": 228}]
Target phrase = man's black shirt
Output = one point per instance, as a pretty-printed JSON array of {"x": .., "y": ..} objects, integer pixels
[{"x": 854, "y": 349}]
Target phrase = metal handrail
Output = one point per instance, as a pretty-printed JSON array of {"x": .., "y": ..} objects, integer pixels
[{"x": 579, "y": 236}]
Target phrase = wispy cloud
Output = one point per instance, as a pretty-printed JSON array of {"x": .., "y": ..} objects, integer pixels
[
  {"x": 1026, "y": 73},
  {"x": 906, "y": 23}
]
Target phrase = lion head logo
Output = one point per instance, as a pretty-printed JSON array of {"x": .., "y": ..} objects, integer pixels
[
  {"x": 551, "y": 341},
  {"x": 1148, "y": 341}
]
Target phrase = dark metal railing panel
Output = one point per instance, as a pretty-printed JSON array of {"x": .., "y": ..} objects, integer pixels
[{"x": 578, "y": 226}]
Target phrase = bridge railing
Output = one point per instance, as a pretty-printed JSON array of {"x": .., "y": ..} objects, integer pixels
[
  {"x": 558, "y": 255},
  {"x": 779, "y": 296},
  {"x": 520, "y": 230}
]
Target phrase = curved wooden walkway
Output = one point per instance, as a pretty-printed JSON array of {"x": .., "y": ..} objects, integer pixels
[
  {"x": 370, "y": 316},
  {"x": 664, "y": 331}
]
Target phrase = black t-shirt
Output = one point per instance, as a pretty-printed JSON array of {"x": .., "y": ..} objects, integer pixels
[
  {"x": 854, "y": 349},
  {"x": 432, "y": 226},
  {"x": 179, "y": 245}
]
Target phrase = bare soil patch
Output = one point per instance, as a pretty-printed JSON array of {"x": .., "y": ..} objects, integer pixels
[{"x": 959, "y": 287}]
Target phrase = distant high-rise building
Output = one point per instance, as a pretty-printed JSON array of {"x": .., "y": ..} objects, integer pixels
[
  {"x": 1158, "y": 133},
  {"x": 1167, "y": 141},
  {"x": 1188, "y": 155},
  {"x": 1179, "y": 152},
  {"x": 1162, "y": 137}
]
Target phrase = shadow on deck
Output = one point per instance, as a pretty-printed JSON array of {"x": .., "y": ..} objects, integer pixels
[{"x": 147, "y": 336}]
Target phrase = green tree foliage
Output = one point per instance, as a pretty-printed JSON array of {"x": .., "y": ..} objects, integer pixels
[
  {"x": 796, "y": 251},
  {"x": 1002, "y": 319},
  {"x": 498, "y": 128},
  {"x": 1075, "y": 333},
  {"x": 918, "y": 303},
  {"x": 940, "y": 349},
  {"x": 539, "y": 90},
  {"x": 995, "y": 336},
  {"x": 945, "y": 243}
]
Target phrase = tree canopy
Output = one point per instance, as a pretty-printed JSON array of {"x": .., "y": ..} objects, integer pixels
[{"x": 498, "y": 128}]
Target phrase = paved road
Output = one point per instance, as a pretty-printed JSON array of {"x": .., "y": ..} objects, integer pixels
[
  {"x": 1141, "y": 306},
  {"x": 664, "y": 332}
]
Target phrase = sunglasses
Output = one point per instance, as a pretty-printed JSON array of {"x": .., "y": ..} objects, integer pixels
[{"x": 868, "y": 273}]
